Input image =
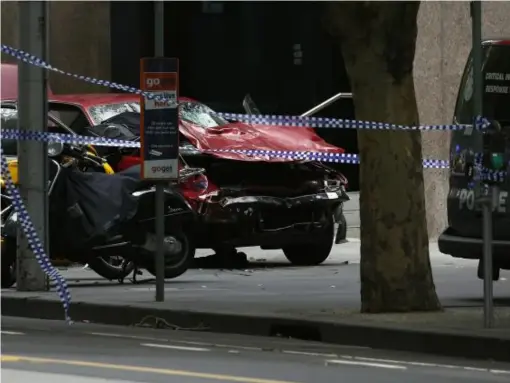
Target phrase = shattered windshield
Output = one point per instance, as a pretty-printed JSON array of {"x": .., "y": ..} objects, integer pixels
[
  {"x": 99, "y": 113},
  {"x": 200, "y": 114},
  {"x": 194, "y": 112}
]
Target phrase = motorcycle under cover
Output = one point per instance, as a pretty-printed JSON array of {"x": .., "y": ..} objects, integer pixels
[{"x": 87, "y": 208}]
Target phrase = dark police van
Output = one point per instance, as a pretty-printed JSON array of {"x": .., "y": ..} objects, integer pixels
[{"x": 463, "y": 237}]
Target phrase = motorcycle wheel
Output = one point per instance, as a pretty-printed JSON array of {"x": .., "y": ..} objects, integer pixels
[
  {"x": 313, "y": 253},
  {"x": 8, "y": 265},
  {"x": 106, "y": 269},
  {"x": 176, "y": 265}
]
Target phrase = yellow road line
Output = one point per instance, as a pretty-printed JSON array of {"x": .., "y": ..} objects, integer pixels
[{"x": 151, "y": 370}]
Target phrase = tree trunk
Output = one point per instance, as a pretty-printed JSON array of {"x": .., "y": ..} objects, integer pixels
[{"x": 378, "y": 44}]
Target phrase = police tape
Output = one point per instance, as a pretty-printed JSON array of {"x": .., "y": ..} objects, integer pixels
[
  {"x": 277, "y": 120},
  {"x": 482, "y": 174},
  {"x": 345, "y": 158},
  {"x": 37, "y": 247},
  {"x": 34, "y": 241}
]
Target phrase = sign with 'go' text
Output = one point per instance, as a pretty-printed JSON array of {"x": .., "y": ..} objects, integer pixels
[{"x": 159, "y": 120}]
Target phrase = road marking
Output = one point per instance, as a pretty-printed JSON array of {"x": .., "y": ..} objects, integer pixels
[
  {"x": 4, "y": 332},
  {"x": 219, "y": 345},
  {"x": 366, "y": 364},
  {"x": 310, "y": 354},
  {"x": 425, "y": 364},
  {"x": 111, "y": 335},
  {"x": 150, "y": 370},
  {"x": 169, "y": 346},
  {"x": 246, "y": 348},
  {"x": 504, "y": 372}
]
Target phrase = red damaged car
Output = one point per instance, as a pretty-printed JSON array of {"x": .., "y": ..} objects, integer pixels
[{"x": 243, "y": 199}]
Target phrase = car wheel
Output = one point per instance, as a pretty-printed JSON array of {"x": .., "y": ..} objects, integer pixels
[
  {"x": 481, "y": 268},
  {"x": 505, "y": 265},
  {"x": 341, "y": 233},
  {"x": 176, "y": 264},
  {"x": 317, "y": 251}
]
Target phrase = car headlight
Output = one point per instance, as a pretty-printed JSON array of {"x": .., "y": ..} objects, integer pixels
[
  {"x": 331, "y": 185},
  {"x": 12, "y": 218}
]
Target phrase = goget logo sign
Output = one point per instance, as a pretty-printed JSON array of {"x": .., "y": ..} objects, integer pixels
[{"x": 161, "y": 169}]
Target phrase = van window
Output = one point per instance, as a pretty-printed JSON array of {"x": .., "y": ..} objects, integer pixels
[{"x": 496, "y": 86}]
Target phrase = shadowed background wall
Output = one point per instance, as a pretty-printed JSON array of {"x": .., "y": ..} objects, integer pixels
[{"x": 80, "y": 42}]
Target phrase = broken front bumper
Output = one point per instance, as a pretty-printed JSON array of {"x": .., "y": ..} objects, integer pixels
[
  {"x": 318, "y": 199},
  {"x": 268, "y": 221}
]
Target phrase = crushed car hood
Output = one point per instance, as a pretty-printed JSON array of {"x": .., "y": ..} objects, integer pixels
[
  {"x": 218, "y": 141},
  {"x": 240, "y": 136}
]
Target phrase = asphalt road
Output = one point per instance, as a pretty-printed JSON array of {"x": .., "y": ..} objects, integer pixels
[{"x": 51, "y": 351}]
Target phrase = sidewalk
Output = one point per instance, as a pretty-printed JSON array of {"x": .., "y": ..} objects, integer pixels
[{"x": 272, "y": 298}]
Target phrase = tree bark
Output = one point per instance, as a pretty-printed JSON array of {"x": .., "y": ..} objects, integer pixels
[{"x": 378, "y": 44}]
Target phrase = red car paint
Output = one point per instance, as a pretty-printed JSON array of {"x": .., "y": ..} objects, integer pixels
[{"x": 234, "y": 135}]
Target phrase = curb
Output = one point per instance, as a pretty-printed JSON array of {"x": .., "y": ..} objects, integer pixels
[{"x": 457, "y": 344}]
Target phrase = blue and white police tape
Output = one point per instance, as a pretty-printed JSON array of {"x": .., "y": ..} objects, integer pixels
[
  {"x": 74, "y": 139},
  {"x": 326, "y": 122},
  {"x": 344, "y": 158},
  {"x": 34, "y": 241},
  {"x": 277, "y": 120}
]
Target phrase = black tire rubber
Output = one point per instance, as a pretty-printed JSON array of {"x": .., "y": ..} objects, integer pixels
[
  {"x": 314, "y": 253},
  {"x": 8, "y": 266},
  {"x": 101, "y": 267},
  {"x": 505, "y": 265},
  {"x": 174, "y": 271},
  {"x": 481, "y": 270},
  {"x": 341, "y": 234}
]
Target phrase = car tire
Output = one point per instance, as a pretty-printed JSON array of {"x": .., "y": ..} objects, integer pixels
[
  {"x": 481, "y": 269},
  {"x": 187, "y": 255},
  {"x": 313, "y": 253},
  {"x": 505, "y": 265},
  {"x": 341, "y": 233}
]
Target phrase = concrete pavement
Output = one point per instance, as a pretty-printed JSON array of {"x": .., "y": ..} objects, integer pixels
[
  {"x": 271, "y": 297},
  {"x": 50, "y": 351}
]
